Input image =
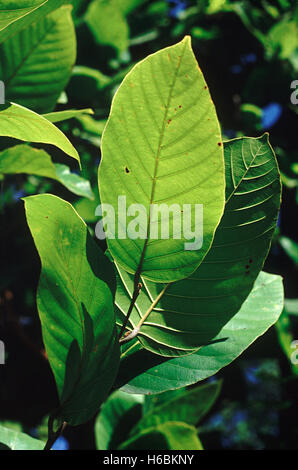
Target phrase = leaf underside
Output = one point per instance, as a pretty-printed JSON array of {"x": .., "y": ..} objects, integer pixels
[
  {"x": 35, "y": 63},
  {"x": 75, "y": 306},
  {"x": 162, "y": 145},
  {"x": 193, "y": 311},
  {"x": 144, "y": 372}
]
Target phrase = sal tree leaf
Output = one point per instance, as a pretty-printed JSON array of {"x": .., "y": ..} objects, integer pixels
[
  {"x": 162, "y": 146},
  {"x": 23, "y": 124},
  {"x": 192, "y": 311},
  {"x": 75, "y": 304},
  {"x": 143, "y": 372},
  {"x": 36, "y": 63},
  {"x": 114, "y": 420},
  {"x": 167, "y": 436},
  {"x": 107, "y": 23},
  {"x": 15, "y": 440},
  {"x": 190, "y": 407},
  {"x": 25, "y": 159},
  {"x": 75, "y": 183}
]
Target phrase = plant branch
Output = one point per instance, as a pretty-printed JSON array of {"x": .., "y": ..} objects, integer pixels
[
  {"x": 136, "y": 291},
  {"x": 136, "y": 330},
  {"x": 53, "y": 435}
]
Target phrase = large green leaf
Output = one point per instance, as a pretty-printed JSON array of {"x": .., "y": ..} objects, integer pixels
[
  {"x": 144, "y": 372},
  {"x": 192, "y": 311},
  {"x": 11, "y": 11},
  {"x": 115, "y": 419},
  {"x": 167, "y": 436},
  {"x": 190, "y": 407},
  {"x": 75, "y": 305},
  {"x": 23, "y": 124},
  {"x": 15, "y": 440},
  {"x": 35, "y": 63},
  {"x": 162, "y": 146}
]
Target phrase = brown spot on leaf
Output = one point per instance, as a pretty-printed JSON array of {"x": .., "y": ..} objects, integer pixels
[
  {"x": 219, "y": 144},
  {"x": 127, "y": 170}
]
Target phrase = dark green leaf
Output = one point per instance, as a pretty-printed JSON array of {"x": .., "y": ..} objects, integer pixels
[{"x": 75, "y": 305}]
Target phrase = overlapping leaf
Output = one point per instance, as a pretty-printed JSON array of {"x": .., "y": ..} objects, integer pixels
[
  {"x": 144, "y": 372},
  {"x": 75, "y": 305},
  {"x": 15, "y": 440},
  {"x": 116, "y": 418},
  {"x": 23, "y": 124},
  {"x": 193, "y": 311},
  {"x": 162, "y": 146},
  {"x": 25, "y": 159},
  {"x": 108, "y": 24},
  {"x": 189, "y": 407},
  {"x": 35, "y": 63},
  {"x": 172, "y": 435}
]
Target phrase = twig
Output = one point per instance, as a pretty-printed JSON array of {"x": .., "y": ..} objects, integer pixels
[{"x": 131, "y": 335}]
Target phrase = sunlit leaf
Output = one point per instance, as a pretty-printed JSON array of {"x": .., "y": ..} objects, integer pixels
[
  {"x": 162, "y": 146},
  {"x": 192, "y": 311},
  {"x": 35, "y": 63},
  {"x": 23, "y": 124}
]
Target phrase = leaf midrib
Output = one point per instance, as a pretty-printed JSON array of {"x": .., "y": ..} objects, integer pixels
[
  {"x": 244, "y": 174},
  {"x": 161, "y": 137}
]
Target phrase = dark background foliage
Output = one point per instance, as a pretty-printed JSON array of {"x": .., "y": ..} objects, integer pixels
[{"x": 248, "y": 53}]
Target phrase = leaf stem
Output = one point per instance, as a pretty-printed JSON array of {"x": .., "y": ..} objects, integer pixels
[
  {"x": 53, "y": 435},
  {"x": 136, "y": 291},
  {"x": 136, "y": 330}
]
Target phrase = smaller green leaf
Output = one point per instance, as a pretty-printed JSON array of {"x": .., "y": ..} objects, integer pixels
[
  {"x": 286, "y": 337},
  {"x": 291, "y": 306},
  {"x": 167, "y": 436},
  {"x": 108, "y": 24},
  {"x": 114, "y": 418},
  {"x": 15, "y": 440},
  {"x": 189, "y": 407},
  {"x": 25, "y": 159},
  {"x": 290, "y": 247},
  {"x": 23, "y": 124},
  {"x": 60, "y": 116},
  {"x": 75, "y": 183}
]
